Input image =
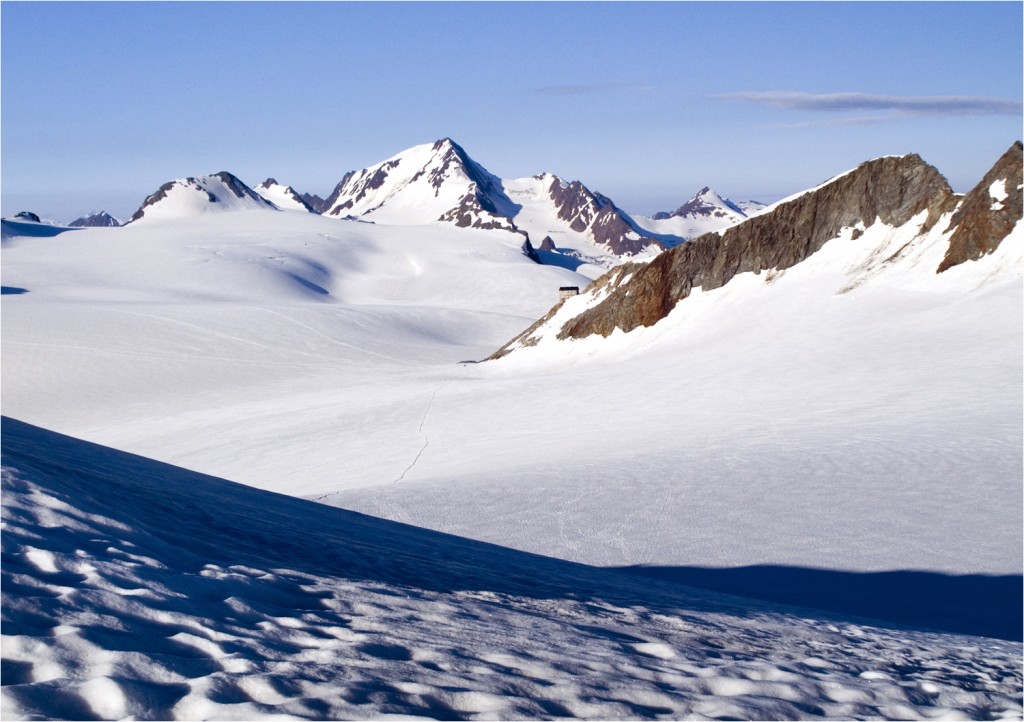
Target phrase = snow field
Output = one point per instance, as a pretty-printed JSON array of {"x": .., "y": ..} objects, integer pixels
[
  {"x": 149, "y": 591},
  {"x": 877, "y": 429}
]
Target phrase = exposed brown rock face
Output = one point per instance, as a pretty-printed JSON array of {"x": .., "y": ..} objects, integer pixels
[
  {"x": 892, "y": 190},
  {"x": 982, "y": 221}
]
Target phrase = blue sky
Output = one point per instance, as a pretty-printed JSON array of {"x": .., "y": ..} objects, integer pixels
[{"x": 644, "y": 102}]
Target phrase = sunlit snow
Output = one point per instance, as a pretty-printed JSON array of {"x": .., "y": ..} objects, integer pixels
[{"x": 855, "y": 414}]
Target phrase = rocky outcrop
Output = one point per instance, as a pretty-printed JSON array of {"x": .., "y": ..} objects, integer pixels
[
  {"x": 95, "y": 220},
  {"x": 586, "y": 211},
  {"x": 988, "y": 213},
  {"x": 27, "y": 216},
  {"x": 477, "y": 211},
  {"x": 318, "y": 204},
  {"x": 891, "y": 190},
  {"x": 530, "y": 251},
  {"x": 355, "y": 188}
]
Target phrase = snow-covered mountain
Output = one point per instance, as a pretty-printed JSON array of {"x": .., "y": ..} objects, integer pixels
[
  {"x": 440, "y": 182},
  {"x": 841, "y": 432},
  {"x": 191, "y": 197},
  {"x": 421, "y": 185},
  {"x": 100, "y": 219},
  {"x": 705, "y": 212},
  {"x": 887, "y": 215},
  {"x": 282, "y": 196}
]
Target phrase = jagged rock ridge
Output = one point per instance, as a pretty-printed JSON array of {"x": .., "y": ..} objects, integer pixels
[
  {"x": 318, "y": 204},
  {"x": 988, "y": 212},
  {"x": 890, "y": 190},
  {"x": 586, "y": 211}
]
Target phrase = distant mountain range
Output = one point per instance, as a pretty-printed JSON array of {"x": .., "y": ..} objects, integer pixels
[{"x": 561, "y": 222}]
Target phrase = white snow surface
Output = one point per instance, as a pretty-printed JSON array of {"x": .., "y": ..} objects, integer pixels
[
  {"x": 137, "y": 590},
  {"x": 282, "y": 196},
  {"x": 405, "y": 195},
  {"x": 855, "y": 413},
  {"x": 191, "y": 197}
]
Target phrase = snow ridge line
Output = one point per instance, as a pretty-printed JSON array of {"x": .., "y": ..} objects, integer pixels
[{"x": 426, "y": 439}]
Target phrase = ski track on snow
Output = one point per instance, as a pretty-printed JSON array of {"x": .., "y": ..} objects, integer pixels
[{"x": 419, "y": 430}]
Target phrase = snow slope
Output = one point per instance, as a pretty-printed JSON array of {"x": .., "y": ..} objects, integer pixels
[
  {"x": 191, "y": 197},
  {"x": 137, "y": 589}
]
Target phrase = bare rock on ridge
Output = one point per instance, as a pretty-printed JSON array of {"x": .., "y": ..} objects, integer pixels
[
  {"x": 988, "y": 212},
  {"x": 892, "y": 190}
]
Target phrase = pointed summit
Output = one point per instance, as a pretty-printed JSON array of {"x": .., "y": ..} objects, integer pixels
[
  {"x": 705, "y": 212},
  {"x": 424, "y": 184},
  {"x": 988, "y": 212},
  {"x": 102, "y": 219},
  {"x": 708, "y": 203},
  {"x": 282, "y": 196}
]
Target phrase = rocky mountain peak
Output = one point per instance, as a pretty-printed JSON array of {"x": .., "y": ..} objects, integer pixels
[
  {"x": 95, "y": 220},
  {"x": 988, "y": 212},
  {"x": 283, "y": 196},
  {"x": 707, "y": 202},
  {"x": 890, "y": 190}
]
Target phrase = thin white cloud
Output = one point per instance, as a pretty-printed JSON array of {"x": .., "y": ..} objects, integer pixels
[{"x": 897, "y": 106}]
